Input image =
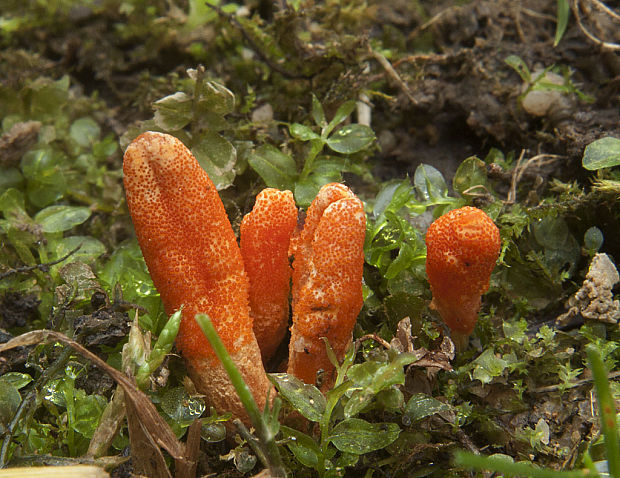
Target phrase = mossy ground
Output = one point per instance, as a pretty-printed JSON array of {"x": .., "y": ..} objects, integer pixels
[{"x": 443, "y": 83}]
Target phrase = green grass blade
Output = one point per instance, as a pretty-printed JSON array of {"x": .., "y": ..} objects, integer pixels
[
  {"x": 267, "y": 442},
  {"x": 607, "y": 410}
]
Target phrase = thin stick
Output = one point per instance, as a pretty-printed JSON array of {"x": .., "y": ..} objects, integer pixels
[{"x": 45, "y": 267}]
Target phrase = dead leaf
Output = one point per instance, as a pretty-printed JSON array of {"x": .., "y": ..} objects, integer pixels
[{"x": 150, "y": 430}]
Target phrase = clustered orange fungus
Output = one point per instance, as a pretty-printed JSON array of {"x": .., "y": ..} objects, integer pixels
[
  {"x": 462, "y": 248},
  {"x": 194, "y": 260}
]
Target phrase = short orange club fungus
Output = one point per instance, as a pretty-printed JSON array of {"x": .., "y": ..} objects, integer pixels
[
  {"x": 462, "y": 248},
  {"x": 265, "y": 236},
  {"x": 194, "y": 260},
  {"x": 327, "y": 281}
]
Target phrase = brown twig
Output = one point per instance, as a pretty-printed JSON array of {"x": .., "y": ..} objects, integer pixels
[
  {"x": 392, "y": 73},
  {"x": 42, "y": 267}
]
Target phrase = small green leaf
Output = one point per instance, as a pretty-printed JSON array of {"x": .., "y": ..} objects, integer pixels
[
  {"x": 372, "y": 377},
  {"x": 85, "y": 131},
  {"x": 429, "y": 182},
  {"x": 471, "y": 173},
  {"x": 12, "y": 204},
  {"x": 487, "y": 366},
  {"x": 173, "y": 112},
  {"x": 520, "y": 67},
  {"x": 302, "y": 132},
  {"x": 217, "y": 156},
  {"x": 302, "y": 446},
  {"x": 563, "y": 14},
  {"x": 216, "y": 98},
  {"x": 359, "y": 436},
  {"x": 61, "y": 218},
  {"x": 602, "y": 153},
  {"x": 351, "y": 138},
  {"x": 46, "y": 181},
  {"x": 277, "y": 169},
  {"x": 306, "y": 190},
  {"x": 17, "y": 379},
  {"x": 9, "y": 403},
  {"x": 90, "y": 249},
  {"x": 317, "y": 112},
  {"x": 305, "y": 398},
  {"x": 421, "y": 406},
  {"x": 88, "y": 411},
  {"x": 342, "y": 113},
  {"x": 181, "y": 407},
  {"x": 10, "y": 178}
]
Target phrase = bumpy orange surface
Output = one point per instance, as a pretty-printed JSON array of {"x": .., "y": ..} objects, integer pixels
[
  {"x": 265, "y": 237},
  {"x": 327, "y": 280},
  {"x": 462, "y": 248},
  {"x": 187, "y": 242}
]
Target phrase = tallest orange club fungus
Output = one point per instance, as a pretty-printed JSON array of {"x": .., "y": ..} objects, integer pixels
[
  {"x": 194, "y": 260},
  {"x": 462, "y": 248}
]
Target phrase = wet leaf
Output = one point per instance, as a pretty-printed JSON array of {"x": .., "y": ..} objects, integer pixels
[
  {"x": 277, "y": 169},
  {"x": 85, "y": 131},
  {"x": 181, "y": 407},
  {"x": 9, "y": 402},
  {"x": 487, "y": 366},
  {"x": 602, "y": 153},
  {"x": 372, "y": 377},
  {"x": 471, "y": 173},
  {"x": 61, "y": 218},
  {"x": 88, "y": 412},
  {"x": 46, "y": 181},
  {"x": 421, "y": 406},
  {"x": 318, "y": 113},
  {"x": 173, "y": 112},
  {"x": 17, "y": 379},
  {"x": 302, "y": 132},
  {"x": 305, "y": 449},
  {"x": 90, "y": 249},
  {"x": 79, "y": 275},
  {"x": 351, "y": 139},
  {"x": 561, "y": 249},
  {"x": 429, "y": 183},
  {"x": 216, "y": 98},
  {"x": 217, "y": 156},
  {"x": 213, "y": 432},
  {"x": 305, "y": 398},
  {"x": 342, "y": 113},
  {"x": 359, "y": 436}
]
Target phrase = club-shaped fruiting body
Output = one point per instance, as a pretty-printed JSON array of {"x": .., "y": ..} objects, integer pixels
[
  {"x": 194, "y": 260},
  {"x": 462, "y": 248}
]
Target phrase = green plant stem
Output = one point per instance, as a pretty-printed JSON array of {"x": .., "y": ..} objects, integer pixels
[
  {"x": 502, "y": 465},
  {"x": 607, "y": 410},
  {"x": 161, "y": 348},
  {"x": 271, "y": 454},
  {"x": 316, "y": 146}
]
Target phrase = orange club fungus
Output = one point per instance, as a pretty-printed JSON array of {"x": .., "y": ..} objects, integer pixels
[
  {"x": 194, "y": 260},
  {"x": 265, "y": 236},
  {"x": 462, "y": 249},
  {"x": 327, "y": 281}
]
